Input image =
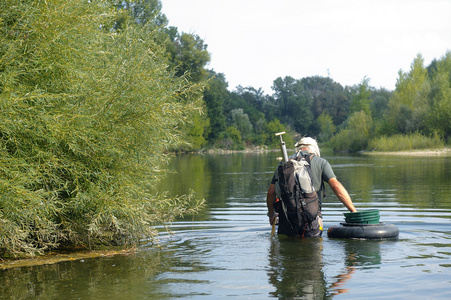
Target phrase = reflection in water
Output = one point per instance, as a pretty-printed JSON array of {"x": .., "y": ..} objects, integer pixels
[
  {"x": 358, "y": 254},
  {"x": 299, "y": 270},
  {"x": 115, "y": 277},
  {"x": 296, "y": 268},
  {"x": 338, "y": 286}
]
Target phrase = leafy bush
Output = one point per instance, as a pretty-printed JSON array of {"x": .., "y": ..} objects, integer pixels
[
  {"x": 86, "y": 116},
  {"x": 274, "y": 141},
  {"x": 349, "y": 140},
  {"x": 355, "y": 136}
]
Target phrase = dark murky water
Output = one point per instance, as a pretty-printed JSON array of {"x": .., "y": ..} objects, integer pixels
[{"x": 227, "y": 251}]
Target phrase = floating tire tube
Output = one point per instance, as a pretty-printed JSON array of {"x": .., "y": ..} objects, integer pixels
[{"x": 363, "y": 231}]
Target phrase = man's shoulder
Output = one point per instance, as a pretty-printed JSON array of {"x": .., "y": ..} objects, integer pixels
[
  {"x": 319, "y": 161},
  {"x": 319, "y": 158}
]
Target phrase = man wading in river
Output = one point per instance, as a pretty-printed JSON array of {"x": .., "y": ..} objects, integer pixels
[{"x": 299, "y": 213}]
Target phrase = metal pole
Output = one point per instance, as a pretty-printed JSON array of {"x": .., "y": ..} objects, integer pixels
[{"x": 283, "y": 148}]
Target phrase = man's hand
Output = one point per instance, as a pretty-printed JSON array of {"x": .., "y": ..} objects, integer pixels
[{"x": 273, "y": 218}]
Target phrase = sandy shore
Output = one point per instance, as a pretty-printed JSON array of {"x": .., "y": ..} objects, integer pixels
[
  {"x": 256, "y": 149},
  {"x": 55, "y": 257},
  {"x": 423, "y": 152}
]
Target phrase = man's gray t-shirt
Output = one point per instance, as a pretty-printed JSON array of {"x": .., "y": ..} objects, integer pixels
[{"x": 321, "y": 171}]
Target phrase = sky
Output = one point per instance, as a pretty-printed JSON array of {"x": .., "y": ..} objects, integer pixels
[{"x": 253, "y": 42}]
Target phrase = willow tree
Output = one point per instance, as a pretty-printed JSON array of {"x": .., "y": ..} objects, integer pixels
[
  {"x": 409, "y": 105},
  {"x": 86, "y": 114},
  {"x": 360, "y": 97},
  {"x": 440, "y": 114}
]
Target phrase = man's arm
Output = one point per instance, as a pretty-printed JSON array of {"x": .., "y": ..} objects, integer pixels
[
  {"x": 342, "y": 194},
  {"x": 270, "y": 200}
]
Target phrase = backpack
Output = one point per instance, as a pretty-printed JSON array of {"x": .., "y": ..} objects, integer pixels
[{"x": 299, "y": 205}]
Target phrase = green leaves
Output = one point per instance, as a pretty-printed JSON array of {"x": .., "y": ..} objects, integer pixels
[{"x": 86, "y": 116}]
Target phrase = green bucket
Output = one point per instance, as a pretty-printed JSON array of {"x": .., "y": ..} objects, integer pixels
[{"x": 370, "y": 216}]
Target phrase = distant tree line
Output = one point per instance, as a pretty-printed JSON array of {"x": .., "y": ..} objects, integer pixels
[
  {"x": 347, "y": 118},
  {"x": 344, "y": 117}
]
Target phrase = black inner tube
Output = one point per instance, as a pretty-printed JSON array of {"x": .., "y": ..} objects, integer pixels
[{"x": 363, "y": 231}]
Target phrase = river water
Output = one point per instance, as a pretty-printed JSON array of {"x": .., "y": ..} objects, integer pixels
[{"x": 227, "y": 250}]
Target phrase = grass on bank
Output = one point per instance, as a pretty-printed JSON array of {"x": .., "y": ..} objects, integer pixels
[{"x": 401, "y": 142}]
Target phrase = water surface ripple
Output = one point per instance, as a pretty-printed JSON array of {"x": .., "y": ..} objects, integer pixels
[{"x": 227, "y": 250}]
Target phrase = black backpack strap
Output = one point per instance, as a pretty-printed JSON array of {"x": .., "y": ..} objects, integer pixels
[
  {"x": 299, "y": 206},
  {"x": 308, "y": 157}
]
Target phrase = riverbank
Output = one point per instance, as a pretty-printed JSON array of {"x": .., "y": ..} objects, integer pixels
[
  {"x": 420, "y": 152},
  {"x": 256, "y": 149},
  {"x": 415, "y": 152}
]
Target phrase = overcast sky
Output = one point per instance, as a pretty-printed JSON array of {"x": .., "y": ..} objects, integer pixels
[{"x": 252, "y": 42}]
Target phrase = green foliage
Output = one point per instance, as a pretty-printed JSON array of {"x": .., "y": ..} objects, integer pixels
[
  {"x": 143, "y": 12},
  {"x": 329, "y": 97},
  {"x": 251, "y": 102},
  {"x": 326, "y": 126},
  {"x": 86, "y": 116},
  {"x": 215, "y": 95},
  {"x": 261, "y": 132},
  {"x": 94, "y": 94},
  {"x": 379, "y": 111},
  {"x": 188, "y": 55},
  {"x": 419, "y": 109},
  {"x": 294, "y": 105},
  {"x": 440, "y": 114},
  {"x": 400, "y": 142},
  {"x": 234, "y": 135},
  {"x": 379, "y": 103},
  {"x": 230, "y": 139},
  {"x": 194, "y": 133},
  {"x": 409, "y": 105},
  {"x": 274, "y": 141},
  {"x": 361, "y": 97},
  {"x": 356, "y": 135},
  {"x": 240, "y": 120}
]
